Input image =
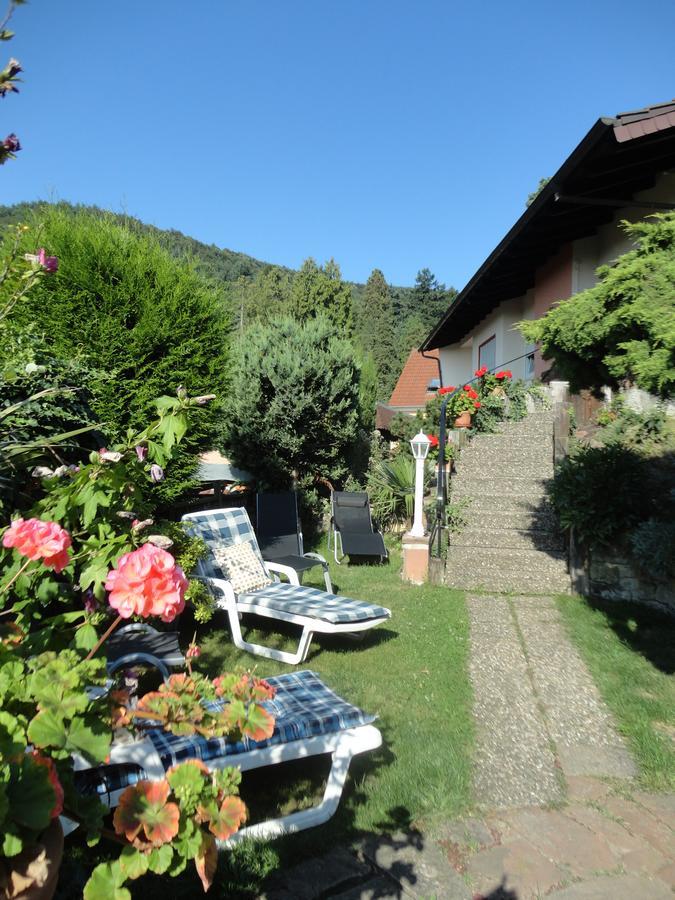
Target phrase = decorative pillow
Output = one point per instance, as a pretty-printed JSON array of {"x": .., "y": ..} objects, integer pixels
[{"x": 242, "y": 567}]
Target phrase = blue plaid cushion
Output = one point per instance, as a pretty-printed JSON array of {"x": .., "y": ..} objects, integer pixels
[
  {"x": 220, "y": 528},
  {"x": 309, "y": 601},
  {"x": 303, "y": 707}
]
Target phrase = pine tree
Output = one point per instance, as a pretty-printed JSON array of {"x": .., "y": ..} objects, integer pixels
[
  {"x": 320, "y": 290},
  {"x": 377, "y": 331}
]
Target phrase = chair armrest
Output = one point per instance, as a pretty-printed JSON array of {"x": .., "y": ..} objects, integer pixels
[
  {"x": 219, "y": 585},
  {"x": 134, "y": 659},
  {"x": 288, "y": 571},
  {"x": 317, "y": 556},
  {"x": 137, "y": 626}
]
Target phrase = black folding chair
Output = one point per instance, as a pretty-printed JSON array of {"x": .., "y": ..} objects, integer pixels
[
  {"x": 136, "y": 642},
  {"x": 352, "y": 523},
  {"x": 280, "y": 537}
]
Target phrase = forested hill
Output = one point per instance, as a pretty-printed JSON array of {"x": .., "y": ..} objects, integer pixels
[{"x": 221, "y": 265}]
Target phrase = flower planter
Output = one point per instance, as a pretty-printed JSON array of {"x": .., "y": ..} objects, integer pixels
[
  {"x": 463, "y": 420},
  {"x": 34, "y": 873}
]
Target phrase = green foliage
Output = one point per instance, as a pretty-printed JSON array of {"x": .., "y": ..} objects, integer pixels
[
  {"x": 599, "y": 491},
  {"x": 293, "y": 403},
  {"x": 430, "y": 299},
  {"x": 320, "y": 291},
  {"x": 653, "y": 548},
  {"x": 535, "y": 193},
  {"x": 375, "y": 325},
  {"x": 641, "y": 431},
  {"x": 623, "y": 328},
  {"x": 124, "y": 306},
  {"x": 391, "y": 486}
]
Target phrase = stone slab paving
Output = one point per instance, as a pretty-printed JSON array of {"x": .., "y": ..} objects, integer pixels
[
  {"x": 514, "y": 763},
  {"x": 579, "y": 723}
]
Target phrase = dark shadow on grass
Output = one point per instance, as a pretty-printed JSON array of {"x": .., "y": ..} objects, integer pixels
[{"x": 644, "y": 629}]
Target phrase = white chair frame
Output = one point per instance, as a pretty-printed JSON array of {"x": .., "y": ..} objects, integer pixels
[{"x": 342, "y": 745}]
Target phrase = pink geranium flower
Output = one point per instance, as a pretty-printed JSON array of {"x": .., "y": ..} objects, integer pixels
[
  {"x": 39, "y": 540},
  {"x": 147, "y": 582}
]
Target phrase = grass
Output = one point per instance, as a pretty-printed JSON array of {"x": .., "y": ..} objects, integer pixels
[
  {"x": 412, "y": 672},
  {"x": 630, "y": 651}
]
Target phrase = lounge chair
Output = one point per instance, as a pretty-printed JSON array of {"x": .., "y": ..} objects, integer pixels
[
  {"x": 352, "y": 523},
  {"x": 309, "y": 720},
  {"x": 127, "y": 644},
  {"x": 312, "y": 609},
  {"x": 280, "y": 537}
]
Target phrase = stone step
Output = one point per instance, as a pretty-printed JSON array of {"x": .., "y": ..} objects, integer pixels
[
  {"x": 510, "y": 519},
  {"x": 508, "y": 559},
  {"x": 491, "y": 451},
  {"x": 502, "y": 502},
  {"x": 506, "y": 466},
  {"x": 508, "y": 581},
  {"x": 493, "y": 484},
  {"x": 518, "y": 539}
]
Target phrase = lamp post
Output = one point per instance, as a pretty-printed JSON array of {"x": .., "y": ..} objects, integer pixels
[{"x": 420, "y": 448}]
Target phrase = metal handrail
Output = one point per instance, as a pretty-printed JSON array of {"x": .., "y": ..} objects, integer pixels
[{"x": 439, "y": 522}]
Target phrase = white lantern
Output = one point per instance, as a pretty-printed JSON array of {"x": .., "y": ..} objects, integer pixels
[{"x": 420, "y": 447}]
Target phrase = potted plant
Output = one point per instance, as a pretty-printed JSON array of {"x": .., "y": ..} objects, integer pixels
[{"x": 464, "y": 403}]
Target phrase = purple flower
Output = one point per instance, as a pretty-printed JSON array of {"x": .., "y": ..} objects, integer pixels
[
  {"x": 90, "y": 602},
  {"x": 141, "y": 453},
  {"x": 156, "y": 472},
  {"x": 48, "y": 263},
  {"x": 11, "y": 143}
]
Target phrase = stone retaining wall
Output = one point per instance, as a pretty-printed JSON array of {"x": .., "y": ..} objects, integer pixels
[{"x": 612, "y": 575}]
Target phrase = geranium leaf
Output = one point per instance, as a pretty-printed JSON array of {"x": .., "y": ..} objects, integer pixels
[
  {"x": 206, "y": 861},
  {"x": 160, "y": 859},
  {"x": 12, "y": 844},
  {"x": 133, "y": 863},
  {"x": 259, "y": 724},
  {"x": 91, "y": 740},
  {"x": 231, "y": 815},
  {"x": 12, "y": 736},
  {"x": 47, "y": 730},
  {"x": 106, "y": 883},
  {"x": 31, "y": 795},
  {"x": 85, "y": 637}
]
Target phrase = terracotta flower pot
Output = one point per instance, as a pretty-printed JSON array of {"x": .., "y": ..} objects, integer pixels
[
  {"x": 34, "y": 872},
  {"x": 463, "y": 420}
]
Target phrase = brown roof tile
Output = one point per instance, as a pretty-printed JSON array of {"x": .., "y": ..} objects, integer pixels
[{"x": 411, "y": 387}]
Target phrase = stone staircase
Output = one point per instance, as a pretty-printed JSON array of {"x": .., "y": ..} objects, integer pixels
[{"x": 511, "y": 542}]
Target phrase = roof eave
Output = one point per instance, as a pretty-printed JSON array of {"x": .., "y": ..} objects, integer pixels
[{"x": 597, "y": 132}]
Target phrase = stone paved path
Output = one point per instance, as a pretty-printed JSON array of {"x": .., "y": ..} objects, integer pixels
[
  {"x": 561, "y": 813},
  {"x": 539, "y": 716}
]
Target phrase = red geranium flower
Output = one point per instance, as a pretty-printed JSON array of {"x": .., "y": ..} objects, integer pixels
[
  {"x": 433, "y": 440},
  {"x": 480, "y": 372},
  {"x": 477, "y": 404},
  {"x": 500, "y": 375}
]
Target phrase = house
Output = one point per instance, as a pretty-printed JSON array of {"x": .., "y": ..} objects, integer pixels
[
  {"x": 417, "y": 383},
  {"x": 624, "y": 168}
]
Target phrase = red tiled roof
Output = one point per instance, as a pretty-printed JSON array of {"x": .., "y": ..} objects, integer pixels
[{"x": 411, "y": 387}]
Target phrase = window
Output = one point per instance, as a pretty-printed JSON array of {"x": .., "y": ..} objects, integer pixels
[
  {"x": 487, "y": 353},
  {"x": 529, "y": 366},
  {"x": 433, "y": 385}
]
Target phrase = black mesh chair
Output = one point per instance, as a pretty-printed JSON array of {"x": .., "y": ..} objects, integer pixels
[
  {"x": 352, "y": 524},
  {"x": 280, "y": 538},
  {"x": 136, "y": 642}
]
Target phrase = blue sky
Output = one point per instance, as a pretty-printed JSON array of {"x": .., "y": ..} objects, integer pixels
[{"x": 385, "y": 134}]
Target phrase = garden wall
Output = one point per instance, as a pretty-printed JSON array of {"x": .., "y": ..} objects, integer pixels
[{"x": 611, "y": 575}]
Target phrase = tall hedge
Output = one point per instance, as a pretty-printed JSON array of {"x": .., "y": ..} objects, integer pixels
[
  {"x": 147, "y": 321},
  {"x": 293, "y": 402}
]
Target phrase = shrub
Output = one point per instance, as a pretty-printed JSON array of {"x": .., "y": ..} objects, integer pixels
[
  {"x": 599, "y": 491},
  {"x": 653, "y": 548},
  {"x": 144, "y": 320},
  {"x": 293, "y": 403},
  {"x": 391, "y": 486}
]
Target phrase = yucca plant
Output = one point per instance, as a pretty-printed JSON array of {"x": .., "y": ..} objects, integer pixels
[{"x": 391, "y": 485}]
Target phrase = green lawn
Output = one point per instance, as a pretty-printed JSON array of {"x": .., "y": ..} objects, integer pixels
[
  {"x": 411, "y": 672},
  {"x": 630, "y": 651}
]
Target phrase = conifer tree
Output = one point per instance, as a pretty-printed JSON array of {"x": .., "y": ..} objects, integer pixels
[
  {"x": 320, "y": 290},
  {"x": 377, "y": 331}
]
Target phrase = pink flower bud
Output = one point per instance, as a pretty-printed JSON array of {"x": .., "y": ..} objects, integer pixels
[
  {"x": 141, "y": 453},
  {"x": 193, "y": 651}
]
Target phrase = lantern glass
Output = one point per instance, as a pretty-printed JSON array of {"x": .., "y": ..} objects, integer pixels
[{"x": 420, "y": 445}]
